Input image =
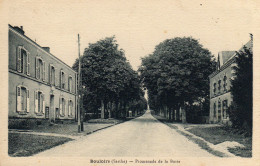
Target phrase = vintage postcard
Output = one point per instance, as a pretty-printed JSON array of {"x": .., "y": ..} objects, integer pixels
[{"x": 119, "y": 82}]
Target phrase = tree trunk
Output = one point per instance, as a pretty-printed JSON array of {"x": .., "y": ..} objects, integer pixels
[
  {"x": 102, "y": 110},
  {"x": 183, "y": 110},
  {"x": 116, "y": 109}
]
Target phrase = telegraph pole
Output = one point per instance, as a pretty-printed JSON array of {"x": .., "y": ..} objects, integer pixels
[{"x": 79, "y": 90}]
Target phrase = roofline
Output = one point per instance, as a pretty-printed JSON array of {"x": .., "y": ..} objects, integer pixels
[
  {"x": 223, "y": 67},
  {"x": 37, "y": 45},
  {"x": 228, "y": 60},
  {"x": 239, "y": 50}
]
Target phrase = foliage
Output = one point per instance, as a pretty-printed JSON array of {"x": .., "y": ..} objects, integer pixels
[
  {"x": 177, "y": 73},
  {"x": 242, "y": 91},
  {"x": 107, "y": 76}
]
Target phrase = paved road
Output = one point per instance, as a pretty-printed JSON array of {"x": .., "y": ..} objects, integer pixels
[{"x": 140, "y": 137}]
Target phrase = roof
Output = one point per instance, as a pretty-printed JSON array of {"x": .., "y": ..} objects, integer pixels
[{"x": 226, "y": 55}]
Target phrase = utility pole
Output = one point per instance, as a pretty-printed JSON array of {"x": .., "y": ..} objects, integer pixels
[{"x": 79, "y": 90}]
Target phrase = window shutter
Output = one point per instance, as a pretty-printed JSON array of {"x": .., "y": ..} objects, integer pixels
[
  {"x": 28, "y": 101},
  {"x": 50, "y": 77},
  {"x": 28, "y": 63},
  {"x": 36, "y": 102},
  {"x": 43, "y": 103},
  {"x": 69, "y": 83},
  {"x": 61, "y": 81},
  {"x": 54, "y": 76},
  {"x": 37, "y": 68},
  {"x": 64, "y": 110},
  {"x": 43, "y": 67},
  {"x": 19, "y": 54},
  {"x": 18, "y": 104},
  {"x": 68, "y": 107},
  {"x": 60, "y": 106}
]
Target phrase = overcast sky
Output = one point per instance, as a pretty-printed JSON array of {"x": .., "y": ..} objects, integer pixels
[{"x": 138, "y": 25}]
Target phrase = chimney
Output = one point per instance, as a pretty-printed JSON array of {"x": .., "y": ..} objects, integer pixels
[
  {"x": 46, "y": 49},
  {"x": 19, "y": 29}
]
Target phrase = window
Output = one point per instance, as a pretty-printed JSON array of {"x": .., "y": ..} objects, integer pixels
[
  {"x": 39, "y": 102},
  {"x": 70, "y": 107},
  {"x": 62, "y": 79},
  {"x": 225, "y": 83},
  {"x": 70, "y": 84},
  {"x": 215, "y": 88},
  {"x": 225, "y": 107},
  {"x": 52, "y": 75},
  {"x": 219, "y": 86},
  {"x": 22, "y": 99},
  {"x": 219, "y": 110},
  {"x": 23, "y": 60},
  {"x": 40, "y": 69},
  {"x": 62, "y": 106},
  {"x": 215, "y": 110}
]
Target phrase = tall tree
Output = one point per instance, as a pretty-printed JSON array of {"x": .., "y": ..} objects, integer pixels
[
  {"x": 176, "y": 74},
  {"x": 107, "y": 76},
  {"x": 242, "y": 91}
]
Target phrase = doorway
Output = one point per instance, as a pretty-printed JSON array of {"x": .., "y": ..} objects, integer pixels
[{"x": 52, "y": 111}]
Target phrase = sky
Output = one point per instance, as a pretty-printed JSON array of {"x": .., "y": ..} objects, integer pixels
[{"x": 137, "y": 25}]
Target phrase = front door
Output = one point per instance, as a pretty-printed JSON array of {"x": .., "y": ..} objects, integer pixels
[{"x": 52, "y": 111}]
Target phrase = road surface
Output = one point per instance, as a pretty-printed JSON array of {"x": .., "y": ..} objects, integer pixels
[{"x": 141, "y": 137}]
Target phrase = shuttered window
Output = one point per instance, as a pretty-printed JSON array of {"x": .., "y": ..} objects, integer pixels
[
  {"x": 39, "y": 102},
  {"x": 52, "y": 75},
  {"x": 225, "y": 83},
  {"x": 19, "y": 59},
  {"x": 23, "y": 60},
  {"x": 215, "y": 110},
  {"x": 225, "y": 107},
  {"x": 62, "y": 106},
  {"x": 23, "y": 99},
  {"x": 70, "y": 107},
  {"x": 70, "y": 84},
  {"x": 40, "y": 70},
  {"x": 215, "y": 88},
  {"x": 62, "y": 79}
]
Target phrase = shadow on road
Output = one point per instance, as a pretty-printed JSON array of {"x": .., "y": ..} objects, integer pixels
[{"x": 145, "y": 120}]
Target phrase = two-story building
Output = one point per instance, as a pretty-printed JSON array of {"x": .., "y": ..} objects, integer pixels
[
  {"x": 41, "y": 86},
  {"x": 220, "y": 83}
]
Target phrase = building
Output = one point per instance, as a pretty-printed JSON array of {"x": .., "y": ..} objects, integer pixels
[
  {"x": 41, "y": 86},
  {"x": 220, "y": 83}
]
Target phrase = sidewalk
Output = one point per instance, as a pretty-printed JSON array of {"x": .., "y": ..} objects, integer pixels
[{"x": 45, "y": 137}]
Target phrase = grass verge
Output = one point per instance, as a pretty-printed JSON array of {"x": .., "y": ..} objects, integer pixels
[
  {"x": 22, "y": 144},
  {"x": 216, "y": 135},
  {"x": 199, "y": 142}
]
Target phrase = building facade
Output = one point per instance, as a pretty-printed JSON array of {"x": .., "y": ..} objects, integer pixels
[
  {"x": 41, "y": 86},
  {"x": 220, "y": 83}
]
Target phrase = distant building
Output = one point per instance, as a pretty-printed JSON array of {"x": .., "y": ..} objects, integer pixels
[
  {"x": 220, "y": 83},
  {"x": 41, "y": 86}
]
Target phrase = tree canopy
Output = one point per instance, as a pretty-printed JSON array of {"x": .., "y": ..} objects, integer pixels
[
  {"x": 177, "y": 73},
  {"x": 107, "y": 76},
  {"x": 242, "y": 90}
]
